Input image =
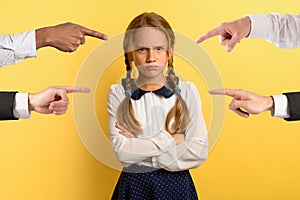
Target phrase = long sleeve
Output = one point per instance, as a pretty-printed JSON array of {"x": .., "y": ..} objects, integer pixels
[
  {"x": 16, "y": 47},
  {"x": 287, "y": 106},
  {"x": 21, "y": 107},
  {"x": 194, "y": 150},
  {"x": 294, "y": 105},
  {"x": 133, "y": 150},
  {"x": 283, "y": 31},
  {"x": 6, "y": 105},
  {"x": 281, "y": 106}
]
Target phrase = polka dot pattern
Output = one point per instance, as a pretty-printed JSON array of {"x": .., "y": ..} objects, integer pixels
[{"x": 145, "y": 183}]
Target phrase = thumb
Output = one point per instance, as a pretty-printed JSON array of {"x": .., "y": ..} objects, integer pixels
[
  {"x": 62, "y": 95},
  {"x": 232, "y": 42},
  {"x": 236, "y": 104}
]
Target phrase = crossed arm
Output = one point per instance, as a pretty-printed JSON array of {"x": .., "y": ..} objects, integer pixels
[{"x": 173, "y": 153}]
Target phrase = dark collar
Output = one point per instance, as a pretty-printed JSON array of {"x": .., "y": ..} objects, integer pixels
[
  {"x": 164, "y": 92},
  {"x": 136, "y": 93}
]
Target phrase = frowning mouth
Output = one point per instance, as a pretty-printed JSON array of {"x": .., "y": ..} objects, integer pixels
[{"x": 151, "y": 66}]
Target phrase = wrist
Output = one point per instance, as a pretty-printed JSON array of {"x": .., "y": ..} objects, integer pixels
[
  {"x": 270, "y": 104},
  {"x": 42, "y": 37},
  {"x": 247, "y": 22},
  {"x": 30, "y": 102}
]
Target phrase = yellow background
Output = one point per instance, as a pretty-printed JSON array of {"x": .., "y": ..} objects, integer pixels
[{"x": 255, "y": 158}]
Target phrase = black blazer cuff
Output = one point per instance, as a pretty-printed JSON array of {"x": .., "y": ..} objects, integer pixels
[
  {"x": 7, "y": 100},
  {"x": 294, "y": 105}
]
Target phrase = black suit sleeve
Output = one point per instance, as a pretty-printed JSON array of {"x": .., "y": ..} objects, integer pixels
[
  {"x": 294, "y": 104},
  {"x": 7, "y": 100}
]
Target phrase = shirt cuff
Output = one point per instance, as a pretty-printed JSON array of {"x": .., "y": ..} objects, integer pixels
[
  {"x": 281, "y": 106},
  {"x": 260, "y": 26},
  {"x": 21, "y": 106},
  {"x": 25, "y": 45}
]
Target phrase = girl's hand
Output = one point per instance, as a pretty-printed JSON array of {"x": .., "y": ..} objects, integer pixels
[
  {"x": 179, "y": 138},
  {"x": 124, "y": 132}
]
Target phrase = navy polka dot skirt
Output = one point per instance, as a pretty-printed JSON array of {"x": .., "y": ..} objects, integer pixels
[{"x": 146, "y": 183}]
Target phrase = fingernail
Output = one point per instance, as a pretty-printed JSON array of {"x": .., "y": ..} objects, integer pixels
[
  {"x": 228, "y": 49},
  {"x": 105, "y": 37}
]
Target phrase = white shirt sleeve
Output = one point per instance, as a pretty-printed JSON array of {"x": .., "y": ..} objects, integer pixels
[
  {"x": 194, "y": 150},
  {"x": 21, "y": 109},
  {"x": 281, "y": 106},
  {"x": 133, "y": 150},
  {"x": 283, "y": 31},
  {"x": 16, "y": 47}
]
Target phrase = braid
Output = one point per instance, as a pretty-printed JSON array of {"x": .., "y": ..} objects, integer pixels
[
  {"x": 179, "y": 111},
  {"x": 171, "y": 77},
  {"x": 127, "y": 63},
  {"x": 126, "y": 116}
]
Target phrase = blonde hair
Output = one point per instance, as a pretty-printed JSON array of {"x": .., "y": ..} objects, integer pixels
[{"x": 179, "y": 111}]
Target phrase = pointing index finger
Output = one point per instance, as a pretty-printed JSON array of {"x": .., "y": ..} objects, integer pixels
[
  {"x": 70, "y": 89},
  {"x": 228, "y": 92},
  {"x": 209, "y": 34},
  {"x": 93, "y": 33}
]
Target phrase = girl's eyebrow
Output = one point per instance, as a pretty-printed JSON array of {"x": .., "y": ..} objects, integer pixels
[
  {"x": 160, "y": 46},
  {"x": 147, "y": 47},
  {"x": 141, "y": 47}
]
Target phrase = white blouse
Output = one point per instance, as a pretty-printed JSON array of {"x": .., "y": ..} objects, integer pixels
[{"x": 155, "y": 147}]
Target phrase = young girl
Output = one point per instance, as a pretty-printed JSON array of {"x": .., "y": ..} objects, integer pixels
[{"x": 155, "y": 121}]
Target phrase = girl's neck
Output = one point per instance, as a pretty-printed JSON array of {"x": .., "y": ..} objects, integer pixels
[{"x": 150, "y": 85}]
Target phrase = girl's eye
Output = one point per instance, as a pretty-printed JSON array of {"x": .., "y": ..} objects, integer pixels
[{"x": 142, "y": 49}]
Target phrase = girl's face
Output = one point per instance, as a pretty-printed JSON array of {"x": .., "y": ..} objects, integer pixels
[{"x": 150, "y": 52}]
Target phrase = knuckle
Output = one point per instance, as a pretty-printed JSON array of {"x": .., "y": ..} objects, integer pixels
[
  {"x": 72, "y": 48},
  {"x": 81, "y": 35},
  {"x": 223, "y": 24}
]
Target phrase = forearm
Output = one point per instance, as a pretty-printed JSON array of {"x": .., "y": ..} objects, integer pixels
[
  {"x": 21, "y": 106},
  {"x": 287, "y": 106},
  {"x": 193, "y": 151},
  {"x": 186, "y": 155},
  {"x": 294, "y": 106},
  {"x": 281, "y": 107},
  {"x": 133, "y": 150},
  {"x": 282, "y": 31},
  {"x": 17, "y": 47},
  {"x": 7, "y": 105}
]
